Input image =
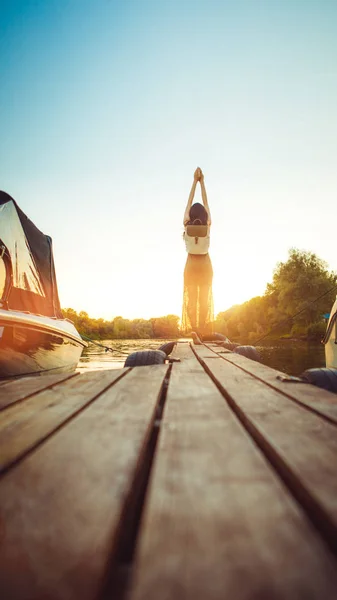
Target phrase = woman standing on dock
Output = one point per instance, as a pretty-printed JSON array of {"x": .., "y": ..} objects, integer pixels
[{"x": 198, "y": 273}]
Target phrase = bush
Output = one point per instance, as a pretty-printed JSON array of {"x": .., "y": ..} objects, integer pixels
[
  {"x": 316, "y": 331},
  {"x": 299, "y": 330}
]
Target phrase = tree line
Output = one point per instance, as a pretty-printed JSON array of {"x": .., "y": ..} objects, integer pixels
[
  {"x": 302, "y": 291},
  {"x": 120, "y": 328},
  {"x": 294, "y": 304}
]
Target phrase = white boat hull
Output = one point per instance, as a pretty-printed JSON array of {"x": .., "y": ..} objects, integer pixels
[
  {"x": 331, "y": 339},
  {"x": 35, "y": 344}
]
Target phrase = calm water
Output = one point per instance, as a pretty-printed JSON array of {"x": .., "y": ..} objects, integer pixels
[
  {"x": 292, "y": 357},
  {"x": 287, "y": 356},
  {"x": 94, "y": 357}
]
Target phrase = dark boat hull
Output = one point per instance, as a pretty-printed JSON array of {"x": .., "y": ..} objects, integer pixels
[{"x": 27, "y": 349}]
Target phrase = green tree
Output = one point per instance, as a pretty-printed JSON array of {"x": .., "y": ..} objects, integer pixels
[
  {"x": 165, "y": 327},
  {"x": 297, "y": 286},
  {"x": 141, "y": 329},
  {"x": 121, "y": 328}
]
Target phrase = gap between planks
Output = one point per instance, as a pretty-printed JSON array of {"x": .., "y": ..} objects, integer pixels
[
  {"x": 218, "y": 522},
  {"x": 24, "y": 426},
  {"x": 119, "y": 568},
  {"x": 66, "y": 507},
  {"x": 300, "y": 445},
  {"x": 317, "y": 400},
  {"x": 20, "y": 389}
]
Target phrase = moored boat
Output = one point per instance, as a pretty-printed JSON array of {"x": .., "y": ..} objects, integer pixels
[
  {"x": 330, "y": 339},
  {"x": 34, "y": 336}
]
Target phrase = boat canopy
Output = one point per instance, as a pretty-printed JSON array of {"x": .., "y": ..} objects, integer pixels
[{"x": 27, "y": 272}]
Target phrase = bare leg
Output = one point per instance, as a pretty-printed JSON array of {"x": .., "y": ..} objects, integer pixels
[
  {"x": 203, "y": 307},
  {"x": 192, "y": 291}
]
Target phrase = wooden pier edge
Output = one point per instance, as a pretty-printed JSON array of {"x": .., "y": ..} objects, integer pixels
[{"x": 205, "y": 479}]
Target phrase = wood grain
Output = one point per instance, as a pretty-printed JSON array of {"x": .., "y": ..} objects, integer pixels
[
  {"x": 218, "y": 522},
  {"x": 60, "y": 507},
  {"x": 302, "y": 445},
  {"x": 25, "y": 425},
  {"x": 316, "y": 399},
  {"x": 18, "y": 389}
]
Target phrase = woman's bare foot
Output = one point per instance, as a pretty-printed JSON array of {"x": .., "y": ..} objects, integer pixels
[{"x": 196, "y": 338}]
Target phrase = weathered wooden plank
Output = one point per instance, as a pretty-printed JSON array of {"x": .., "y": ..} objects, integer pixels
[
  {"x": 24, "y": 425},
  {"x": 18, "y": 389},
  {"x": 302, "y": 445},
  {"x": 60, "y": 508},
  {"x": 218, "y": 522},
  {"x": 3, "y": 381},
  {"x": 316, "y": 399}
]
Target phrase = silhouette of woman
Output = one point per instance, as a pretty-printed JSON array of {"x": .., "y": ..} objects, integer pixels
[{"x": 198, "y": 274}]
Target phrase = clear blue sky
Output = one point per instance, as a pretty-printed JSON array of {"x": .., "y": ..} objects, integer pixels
[{"x": 106, "y": 109}]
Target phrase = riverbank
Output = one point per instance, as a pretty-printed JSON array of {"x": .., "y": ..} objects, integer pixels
[{"x": 286, "y": 356}]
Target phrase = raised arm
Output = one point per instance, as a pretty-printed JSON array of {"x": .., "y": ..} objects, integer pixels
[
  {"x": 204, "y": 197},
  {"x": 191, "y": 196}
]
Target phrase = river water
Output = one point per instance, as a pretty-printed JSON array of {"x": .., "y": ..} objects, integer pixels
[
  {"x": 291, "y": 357},
  {"x": 95, "y": 357}
]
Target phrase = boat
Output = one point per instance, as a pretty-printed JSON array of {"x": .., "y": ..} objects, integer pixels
[
  {"x": 34, "y": 335},
  {"x": 330, "y": 339}
]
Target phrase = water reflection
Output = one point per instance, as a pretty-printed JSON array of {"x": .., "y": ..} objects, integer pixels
[
  {"x": 284, "y": 355},
  {"x": 94, "y": 357},
  {"x": 292, "y": 357}
]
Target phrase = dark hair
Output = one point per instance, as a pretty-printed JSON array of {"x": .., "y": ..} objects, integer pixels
[{"x": 198, "y": 214}]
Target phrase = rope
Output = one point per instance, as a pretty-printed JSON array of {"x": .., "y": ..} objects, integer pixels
[
  {"x": 296, "y": 315},
  {"x": 107, "y": 348}
]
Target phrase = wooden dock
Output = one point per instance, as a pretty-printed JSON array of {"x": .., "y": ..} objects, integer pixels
[{"x": 207, "y": 479}]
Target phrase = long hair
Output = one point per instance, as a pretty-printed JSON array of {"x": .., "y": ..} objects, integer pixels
[{"x": 198, "y": 215}]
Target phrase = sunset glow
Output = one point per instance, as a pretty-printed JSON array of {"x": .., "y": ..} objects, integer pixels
[{"x": 108, "y": 108}]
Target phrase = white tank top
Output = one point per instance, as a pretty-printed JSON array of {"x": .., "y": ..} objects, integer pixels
[{"x": 197, "y": 239}]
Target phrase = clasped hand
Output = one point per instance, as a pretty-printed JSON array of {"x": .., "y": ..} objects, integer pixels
[{"x": 198, "y": 175}]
